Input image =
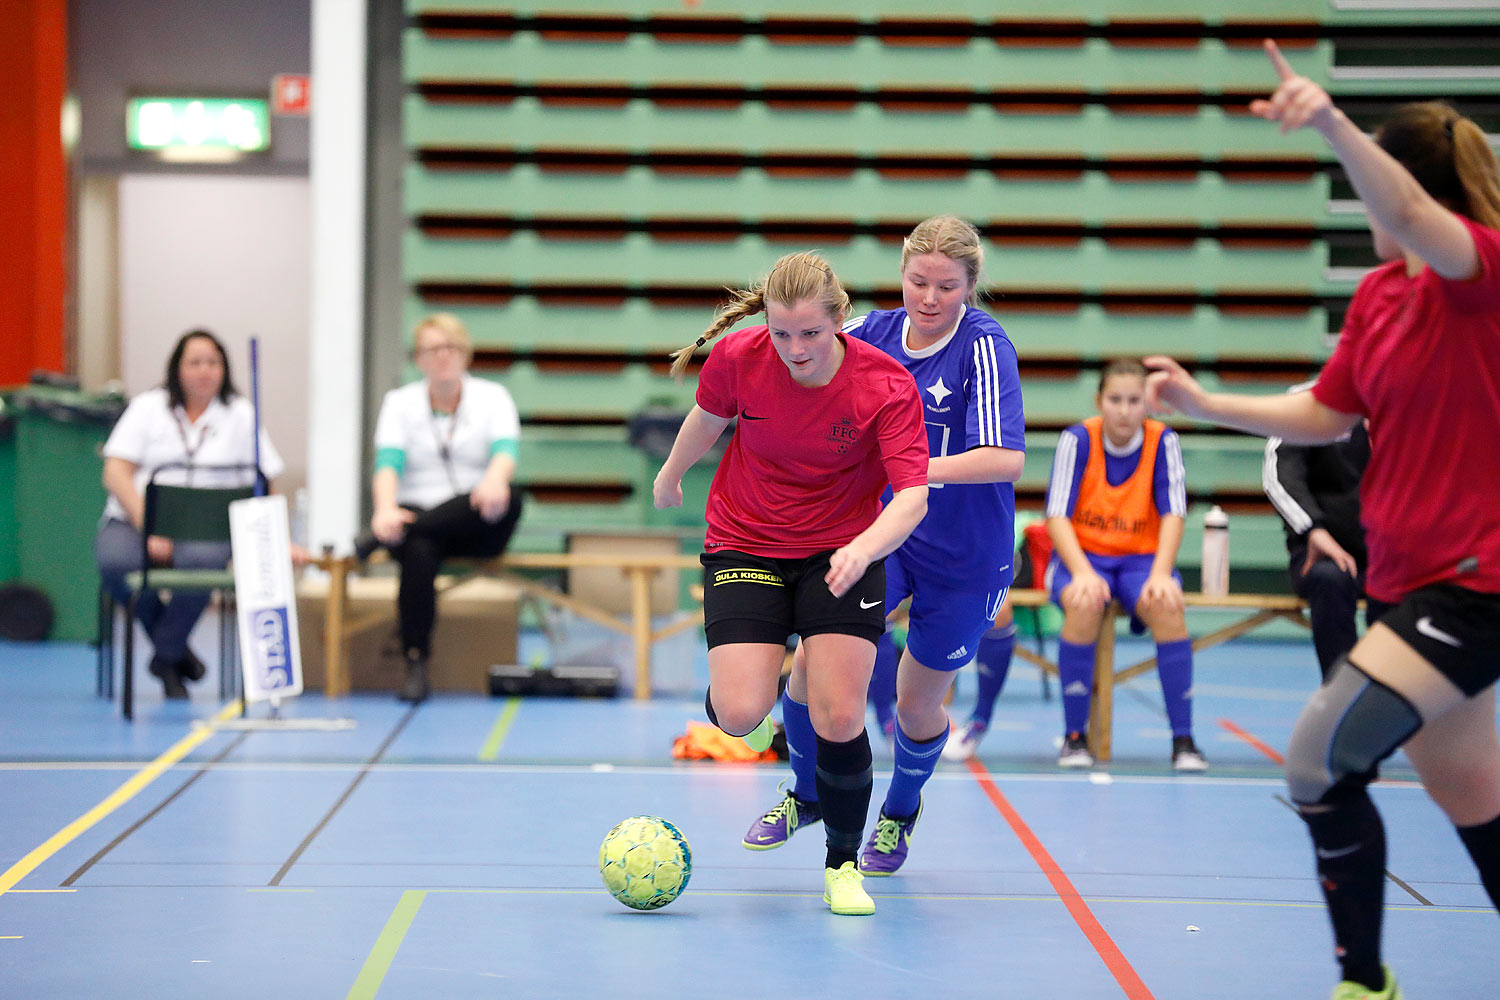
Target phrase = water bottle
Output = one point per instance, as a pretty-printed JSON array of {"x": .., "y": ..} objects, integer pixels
[{"x": 1216, "y": 552}]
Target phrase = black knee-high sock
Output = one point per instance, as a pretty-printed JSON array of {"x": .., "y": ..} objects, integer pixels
[
  {"x": 1483, "y": 842},
  {"x": 845, "y": 777},
  {"x": 1349, "y": 840}
]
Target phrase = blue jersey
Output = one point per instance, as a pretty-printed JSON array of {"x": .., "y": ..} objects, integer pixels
[{"x": 971, "y": 397}]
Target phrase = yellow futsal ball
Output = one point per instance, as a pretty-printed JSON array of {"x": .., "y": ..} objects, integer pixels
[{"x": 645, "y": 862}]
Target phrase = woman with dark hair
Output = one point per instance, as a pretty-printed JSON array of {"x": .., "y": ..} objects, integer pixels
[
  {"x": 1419, "y": 357},
  {"x": 196, "y": 419},
  {"x": 1116, "y": 503}
]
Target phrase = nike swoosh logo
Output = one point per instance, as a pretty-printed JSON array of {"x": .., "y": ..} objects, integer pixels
[
  {"x": 867, "y": 607},
  {"x": 745, "y": 415},
  {"x": 763, "y": 837},
  {"x": 1431, "y": 631},
  {"x": 1341, "y": 852}
]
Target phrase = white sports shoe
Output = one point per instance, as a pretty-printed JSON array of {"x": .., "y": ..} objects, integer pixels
[
  {"x": 1186, "y": 756},
  {"x": 964, "y": 744}
]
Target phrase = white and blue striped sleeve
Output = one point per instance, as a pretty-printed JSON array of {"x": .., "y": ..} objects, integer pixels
[
  {"x": 1067, "y": 473},
  {"x": 1170, "y": 487},
  {"x": 996, "y": 416}
]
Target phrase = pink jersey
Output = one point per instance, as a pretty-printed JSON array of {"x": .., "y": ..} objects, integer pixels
[
  {"x": 1420, "y": 356},
  {"x": 806, "y": 467}
]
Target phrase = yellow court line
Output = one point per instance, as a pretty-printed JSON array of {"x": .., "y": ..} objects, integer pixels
[
  {"x": 112, "y": 801},
  {"x": 500, "y": 729},
  {"x": 384, "y": 953}
]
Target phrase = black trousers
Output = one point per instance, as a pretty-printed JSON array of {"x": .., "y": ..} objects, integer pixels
[
  {"x": 1332, "y": 598},
  {"x": 450, "y": 529}
]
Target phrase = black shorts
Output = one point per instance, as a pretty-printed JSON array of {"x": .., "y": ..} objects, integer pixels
[
  {"x": 1455, "y": 629},
  {"x": 749, "y": 598}
]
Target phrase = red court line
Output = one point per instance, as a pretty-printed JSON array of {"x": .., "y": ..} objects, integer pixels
[
  {"x": 1108, "y": 951},
  {"x": 1254, "y": 741}
]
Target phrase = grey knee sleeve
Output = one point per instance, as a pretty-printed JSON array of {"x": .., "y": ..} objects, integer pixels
[{"x": 1350, "y": 725}]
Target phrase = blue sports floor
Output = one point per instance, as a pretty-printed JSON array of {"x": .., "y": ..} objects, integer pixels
[{"x": 449, "y": 851}]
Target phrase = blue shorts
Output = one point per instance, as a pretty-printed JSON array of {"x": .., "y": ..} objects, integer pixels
[
  {"x": 1126, "y": 576},
  {"x": 946, "y": 624}
]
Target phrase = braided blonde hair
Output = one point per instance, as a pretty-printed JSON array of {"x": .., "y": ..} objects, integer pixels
[{"x": 797, "y": 277}]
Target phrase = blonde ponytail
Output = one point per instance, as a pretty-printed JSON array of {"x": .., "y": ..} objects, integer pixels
[
  {"x": 1448, "y": 155},
  {"x": 743, "y": 302},
  {"x": 1478, "y": 172},
  {"x": 797, "y": 277}
]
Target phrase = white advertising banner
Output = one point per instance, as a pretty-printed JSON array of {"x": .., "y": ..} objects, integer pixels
[{"x": 270, "y": 654}]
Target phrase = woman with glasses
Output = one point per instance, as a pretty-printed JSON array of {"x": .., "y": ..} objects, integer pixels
[{"x": 445, "y": 458}]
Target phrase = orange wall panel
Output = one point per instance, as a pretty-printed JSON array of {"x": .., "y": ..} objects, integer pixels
[{"x": 34, "y": 178}]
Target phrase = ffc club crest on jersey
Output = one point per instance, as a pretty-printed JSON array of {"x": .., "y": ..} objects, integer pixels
[{"x": 842, "y": 436}]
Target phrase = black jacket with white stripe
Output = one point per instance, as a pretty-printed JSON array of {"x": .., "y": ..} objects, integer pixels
[{"x": 1318, "y": 487}]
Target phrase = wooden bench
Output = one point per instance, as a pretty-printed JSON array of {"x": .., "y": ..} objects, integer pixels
[
  {"x": 1259, "y": 609},
  {"x": 638, "y": 570}
]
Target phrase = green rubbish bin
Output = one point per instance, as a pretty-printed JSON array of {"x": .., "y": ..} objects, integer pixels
[
  {"x": 59, "y": 498},
  {"x": 10, "y": 553}
]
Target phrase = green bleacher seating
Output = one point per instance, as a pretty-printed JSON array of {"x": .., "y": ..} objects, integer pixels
[{"x": 583, "y": 179}]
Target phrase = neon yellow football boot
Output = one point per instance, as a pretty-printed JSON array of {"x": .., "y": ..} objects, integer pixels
[{"x": 844, "y": 891}]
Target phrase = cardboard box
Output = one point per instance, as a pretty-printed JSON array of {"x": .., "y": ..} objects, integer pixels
[
  {"x": 610, "y": 588},
  {"x": 477, "y": 626}
]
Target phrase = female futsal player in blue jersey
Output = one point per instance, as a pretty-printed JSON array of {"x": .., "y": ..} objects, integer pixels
[{"x": 956, "y": 566}]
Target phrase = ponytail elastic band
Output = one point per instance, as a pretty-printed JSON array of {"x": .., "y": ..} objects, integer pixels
[{"x": 700, "y": 343}]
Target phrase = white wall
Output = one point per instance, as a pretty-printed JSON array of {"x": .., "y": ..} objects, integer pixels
[{"x": 229, "y": 254}]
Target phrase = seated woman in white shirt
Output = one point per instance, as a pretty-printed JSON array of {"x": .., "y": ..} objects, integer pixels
[
  {"x": 445, "y": 455},
  {"x": 196, "y": 418}
]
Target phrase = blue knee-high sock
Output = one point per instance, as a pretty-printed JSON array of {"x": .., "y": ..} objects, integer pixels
[
  {"x": 882, "y": 692},
  {"x": 993, "y": 664},
  {"x": 802, "y": 747},
  {"x": 914, "y": 764},
  {"x": 1174, "y": 665},
  {"x": 1075, "y": 674}
]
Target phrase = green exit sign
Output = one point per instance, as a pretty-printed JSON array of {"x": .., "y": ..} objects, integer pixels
[{"x": 209, "y": 126}]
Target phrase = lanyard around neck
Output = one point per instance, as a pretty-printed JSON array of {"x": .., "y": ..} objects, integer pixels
[
  {"x": 445, "y": 443},
  {"x": 188, "y": 445}
]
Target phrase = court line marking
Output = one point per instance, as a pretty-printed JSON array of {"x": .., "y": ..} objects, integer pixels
[
  {"x": 500, "y": 729},
  {"x": 1114, "y": 960},
  {"x": 114, "y": 800},
  {"x": 155, "y": 811},
  {"x": 1414, "y": 894},
  {"x": 378, "y": 963},
  {"x": 974, "y": 898},
  {"x": 1040, "y": 773},
  {"x": 1255, "y": 741},
  {"x": 364, "y": 772},
  {"x": 1050, "y": 899}
]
